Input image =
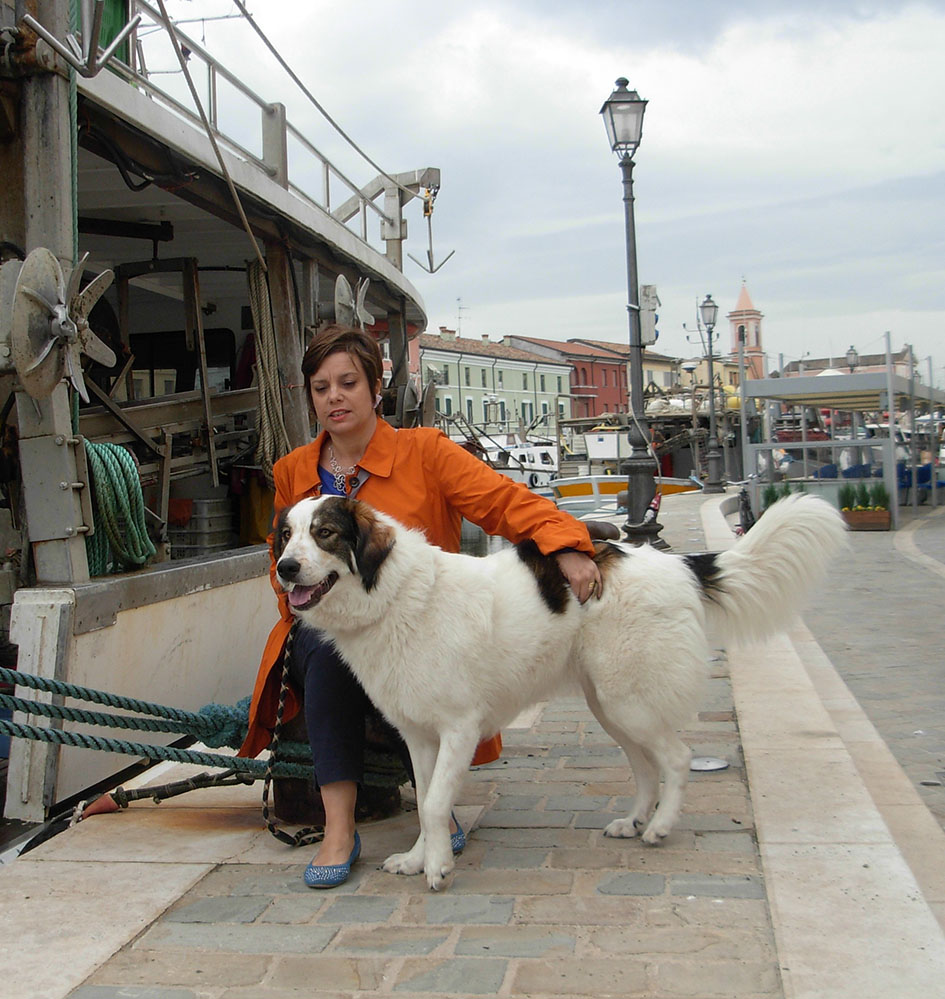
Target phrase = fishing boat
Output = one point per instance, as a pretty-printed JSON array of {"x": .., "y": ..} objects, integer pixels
[
  {"x": 581, "y": 494},
  {"x": 155, "y": 317}
]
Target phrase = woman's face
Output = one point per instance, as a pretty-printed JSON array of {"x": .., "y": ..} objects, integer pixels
[{"x": 342, "y": 397}]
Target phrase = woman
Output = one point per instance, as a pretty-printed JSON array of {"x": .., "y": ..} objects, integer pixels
[{"x": 423, "y": 480}]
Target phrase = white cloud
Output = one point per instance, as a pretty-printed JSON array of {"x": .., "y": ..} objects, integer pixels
[{"x": 800, "y": 146}]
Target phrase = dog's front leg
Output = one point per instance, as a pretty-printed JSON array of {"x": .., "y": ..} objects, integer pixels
[
  {"x": 423, "y": 752},
  {"x": 452, "y": 761}
]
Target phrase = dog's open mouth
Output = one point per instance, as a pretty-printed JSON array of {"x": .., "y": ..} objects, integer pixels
[{"x": 303, "y": 597}]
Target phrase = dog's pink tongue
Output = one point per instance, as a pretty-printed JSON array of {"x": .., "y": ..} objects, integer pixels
[{"x": 300, "y": 595}]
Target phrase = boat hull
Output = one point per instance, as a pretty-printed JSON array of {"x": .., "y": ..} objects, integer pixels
[{"x": 593, "y": 492}]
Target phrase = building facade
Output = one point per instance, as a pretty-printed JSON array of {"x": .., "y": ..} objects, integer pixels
[{"x": 494, "y": 386}]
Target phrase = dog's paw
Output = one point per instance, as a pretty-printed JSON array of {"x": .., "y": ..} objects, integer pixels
[
  {"x": 403, "y": 863},
  {"x": 436, "y": 872},
  {"x": 623, "y": 828},
  {"x": 655, "y": 833},
  {"x": 436, "y": 876}
]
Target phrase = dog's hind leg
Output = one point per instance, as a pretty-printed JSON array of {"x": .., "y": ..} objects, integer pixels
[
  {"x": 423, "y": 753},
  {"x": 645, "y": 771},
  {"x": 674, "y": 757}
]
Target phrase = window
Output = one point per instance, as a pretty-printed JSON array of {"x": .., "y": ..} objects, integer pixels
[
  {"x": 449, "y": 405},
  {"x": 603, "y": 376},
  {"x": 649, "y": 377},
  {"x": 483, "y": 373},
  {"x": 501, "y": 411},
  {"x": 485, "y": 411},
  {"x": 561, "y": 410},
  {"x": 667, "y": 379},
  {"x": 525, "y": 382},
  {"x": 500, "y": 377},
  {"x": 466, "y": 376},
  {"x": 584, "y": 376},
  {"x": 544, "y": 409},
  {"x": 446, "y": 375},
  {"x": 559, "y": 383},
  {"x": 469, "y": 408},
  {"x": 542, "y": 381}
]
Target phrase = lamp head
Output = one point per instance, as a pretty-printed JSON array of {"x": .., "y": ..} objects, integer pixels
[
  {"x": 623, "y": 119},
  {"x": 853, "y": 359},
  {"x": 709, "y": 312}
]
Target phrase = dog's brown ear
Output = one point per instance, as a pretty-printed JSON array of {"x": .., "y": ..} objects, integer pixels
[
  {"x": 374, "y": 543},
  {"x": 278, "y": 544}
]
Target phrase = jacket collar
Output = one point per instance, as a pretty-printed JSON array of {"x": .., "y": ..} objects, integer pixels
[{"x": 378, "y": 459}]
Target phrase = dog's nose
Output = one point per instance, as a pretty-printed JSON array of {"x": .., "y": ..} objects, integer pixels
[{"x": 288, "y": 568}]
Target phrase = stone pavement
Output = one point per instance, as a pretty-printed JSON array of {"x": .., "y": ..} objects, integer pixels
[{"x": 810, "y": 867}]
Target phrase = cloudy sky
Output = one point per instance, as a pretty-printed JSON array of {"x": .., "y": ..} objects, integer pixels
[{"x": 799, "y": 146}]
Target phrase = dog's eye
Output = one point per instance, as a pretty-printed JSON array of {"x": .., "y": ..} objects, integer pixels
[{"x": 324, "y": 532}]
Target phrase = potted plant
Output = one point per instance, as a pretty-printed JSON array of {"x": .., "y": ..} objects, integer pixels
[{"x": 865, "y": 508}]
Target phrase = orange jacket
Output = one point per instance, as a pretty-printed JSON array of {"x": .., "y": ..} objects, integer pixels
[{"x": 425, "y": 481}]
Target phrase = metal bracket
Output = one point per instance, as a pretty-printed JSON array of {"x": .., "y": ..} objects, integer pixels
[{"x": 85, "y": 58}]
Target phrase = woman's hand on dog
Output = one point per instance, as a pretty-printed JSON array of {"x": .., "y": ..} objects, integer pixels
[{"x": 582, "y": 574}]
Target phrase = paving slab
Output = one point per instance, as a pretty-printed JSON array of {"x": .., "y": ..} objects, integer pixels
[{"x": 807, "y": 868}]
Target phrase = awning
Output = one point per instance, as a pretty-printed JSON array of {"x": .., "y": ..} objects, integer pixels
[{"x": 861, "y": 392}]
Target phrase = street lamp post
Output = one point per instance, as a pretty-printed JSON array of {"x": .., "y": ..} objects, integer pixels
[
  {"x": 713, "y": 484},
  {"x": 853, "y": 362},
  {"x": 623, "y": 119},
  {"x": 690, "y": 368}
]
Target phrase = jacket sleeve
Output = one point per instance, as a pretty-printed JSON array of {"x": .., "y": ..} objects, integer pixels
[{"x": 501, "y": 506}]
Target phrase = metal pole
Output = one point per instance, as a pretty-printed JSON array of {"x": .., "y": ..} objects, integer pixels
[
  {"x": 890, "y": 471},
  {"x": 933, "y": 472},
  {"x": 914, "y": 439},
  {"x": 746, "y": 469},
  {"x": 639, "y": 467},
  {"x": 713, "y": 483}
]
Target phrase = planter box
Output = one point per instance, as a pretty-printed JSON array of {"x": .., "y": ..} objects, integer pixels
[{"x": 867, "y": 520}]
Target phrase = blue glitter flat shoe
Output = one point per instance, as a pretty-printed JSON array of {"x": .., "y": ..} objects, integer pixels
[
  {"x": 332, "y": 875},
  {"x": 458, "y": 838}
]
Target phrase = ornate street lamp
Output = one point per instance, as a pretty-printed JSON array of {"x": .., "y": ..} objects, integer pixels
[
  {"x": 709, "y": 312},
  {"x": 623, "y": 119},
  {"x": 853, "y": 362}
]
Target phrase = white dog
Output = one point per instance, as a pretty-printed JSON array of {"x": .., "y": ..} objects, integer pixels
[{"x": 452, "y": 647}]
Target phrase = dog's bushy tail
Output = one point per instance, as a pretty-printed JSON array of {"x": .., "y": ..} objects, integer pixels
[{"x": 755, "y": 588}]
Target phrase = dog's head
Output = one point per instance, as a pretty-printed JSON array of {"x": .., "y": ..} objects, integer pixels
[{"x": 317, "y": 541}]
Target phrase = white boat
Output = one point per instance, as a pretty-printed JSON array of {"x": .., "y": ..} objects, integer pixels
[
  {"x": 534, "y": 464},
  {"x": 160, "y": 201},
  {"x": 585, "y": 493}
]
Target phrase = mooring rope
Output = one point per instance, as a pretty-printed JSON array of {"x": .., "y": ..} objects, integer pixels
[
  {"x": 214, "y": 724},
  {"x": 61, "y": 737}
]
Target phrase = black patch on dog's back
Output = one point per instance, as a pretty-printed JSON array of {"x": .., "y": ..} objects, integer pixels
[
  {"x": 705, "y": 567},
  {"x": 552, "y": 585},
  {"x": 605, "y": 554}
]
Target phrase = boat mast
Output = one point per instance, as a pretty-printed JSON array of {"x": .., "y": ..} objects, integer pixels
[{"x": 36, "y": 209}]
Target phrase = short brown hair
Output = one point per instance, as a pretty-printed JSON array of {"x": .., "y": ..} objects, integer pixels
[{"x": 359, "y": 345}]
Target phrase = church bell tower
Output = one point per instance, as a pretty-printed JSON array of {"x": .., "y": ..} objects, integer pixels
[{"x": 745, "y": 320}]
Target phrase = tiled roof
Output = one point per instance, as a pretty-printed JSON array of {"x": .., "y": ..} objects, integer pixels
[
  {"x": 464, "y": 345},
  {"x": 623, "y": 350},
  {"x": 582, "y": 348}
]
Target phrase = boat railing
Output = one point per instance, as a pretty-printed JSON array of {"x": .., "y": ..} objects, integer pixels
[{"x": 272, "y": 156}]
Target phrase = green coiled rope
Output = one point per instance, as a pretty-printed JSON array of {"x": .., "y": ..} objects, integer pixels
[{"x": 119, "y": 540}]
